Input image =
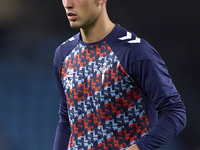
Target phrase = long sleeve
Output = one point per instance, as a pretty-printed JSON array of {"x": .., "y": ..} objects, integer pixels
[
  {"x": 153, "y": 78},
  {"x": 63, "y": 128}
]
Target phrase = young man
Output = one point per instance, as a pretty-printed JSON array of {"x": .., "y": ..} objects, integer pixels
[{"x": 112, "y": 83}]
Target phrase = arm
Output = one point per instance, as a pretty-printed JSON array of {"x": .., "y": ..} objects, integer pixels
[
  {"x": 153, "y": 78},
  {"x": 63, "y": 128}
]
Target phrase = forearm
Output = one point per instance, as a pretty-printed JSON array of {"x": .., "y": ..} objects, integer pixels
[
  {"x": 61, "y": 140},
  {"x": 63, "y": 131},
  {"x": 168, "y": 126},
  {"x": 153, "y": 78}
]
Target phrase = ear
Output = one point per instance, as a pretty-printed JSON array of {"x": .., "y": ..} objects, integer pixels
[{"x": 101, "y": 2}]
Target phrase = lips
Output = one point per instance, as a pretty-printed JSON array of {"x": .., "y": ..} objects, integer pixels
[{"x": 71, "y": 16}]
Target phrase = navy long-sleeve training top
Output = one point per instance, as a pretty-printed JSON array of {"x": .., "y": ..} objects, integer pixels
[{"x": 111, "y": 92}]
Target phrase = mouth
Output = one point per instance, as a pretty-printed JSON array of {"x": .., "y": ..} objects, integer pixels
[{"x": 71, "y": 16}]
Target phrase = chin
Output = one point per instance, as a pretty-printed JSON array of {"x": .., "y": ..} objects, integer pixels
[{"x": 75, "y": 25}]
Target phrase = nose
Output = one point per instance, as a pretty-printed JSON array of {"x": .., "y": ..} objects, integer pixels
[{"x": 68, "y": 4}]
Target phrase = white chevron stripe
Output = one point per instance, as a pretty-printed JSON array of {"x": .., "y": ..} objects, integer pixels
[
  {"x": 71, "y": 39},
  {"x": 128, "y": 36},
  {"x": 137, "y": 40}
]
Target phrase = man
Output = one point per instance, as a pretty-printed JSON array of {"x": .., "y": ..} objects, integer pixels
[{"x": 112, "y": 83}]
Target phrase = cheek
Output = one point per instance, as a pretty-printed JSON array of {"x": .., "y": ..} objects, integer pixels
[
  {"x": 89, "y": 11},
  {"x": 93, "y": 12},
  {"x": 91, "y": 8}
]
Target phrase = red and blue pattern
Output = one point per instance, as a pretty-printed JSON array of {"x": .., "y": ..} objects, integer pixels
[{"x": 106, "y": 109}]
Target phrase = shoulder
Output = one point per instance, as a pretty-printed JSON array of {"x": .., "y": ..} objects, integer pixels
[
  {"x": 128, "y": 45},
  {"x": 65, "y": 48}
]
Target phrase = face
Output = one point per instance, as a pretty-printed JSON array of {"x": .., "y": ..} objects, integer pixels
[{"x": 81, "y": 13}]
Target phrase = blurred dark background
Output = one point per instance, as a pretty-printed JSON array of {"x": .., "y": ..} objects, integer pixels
[{"x": 30, "y": 31}]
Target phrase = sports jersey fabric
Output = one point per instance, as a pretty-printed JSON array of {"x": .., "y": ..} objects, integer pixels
[{"x": 111, "y": 92}]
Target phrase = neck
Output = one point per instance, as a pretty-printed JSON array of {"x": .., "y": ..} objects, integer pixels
[{"x": 97, "y": 31}]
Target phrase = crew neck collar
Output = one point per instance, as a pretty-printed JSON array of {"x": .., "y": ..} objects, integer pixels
[{"x": 104, "y": 39}]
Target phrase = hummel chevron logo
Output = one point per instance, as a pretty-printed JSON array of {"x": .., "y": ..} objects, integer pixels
[
  {"x": 70, "y": 73},
  {"x": 129, "y": 37}
]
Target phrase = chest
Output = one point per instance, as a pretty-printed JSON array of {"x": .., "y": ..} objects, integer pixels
[{"x": 91, "y": 74}]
